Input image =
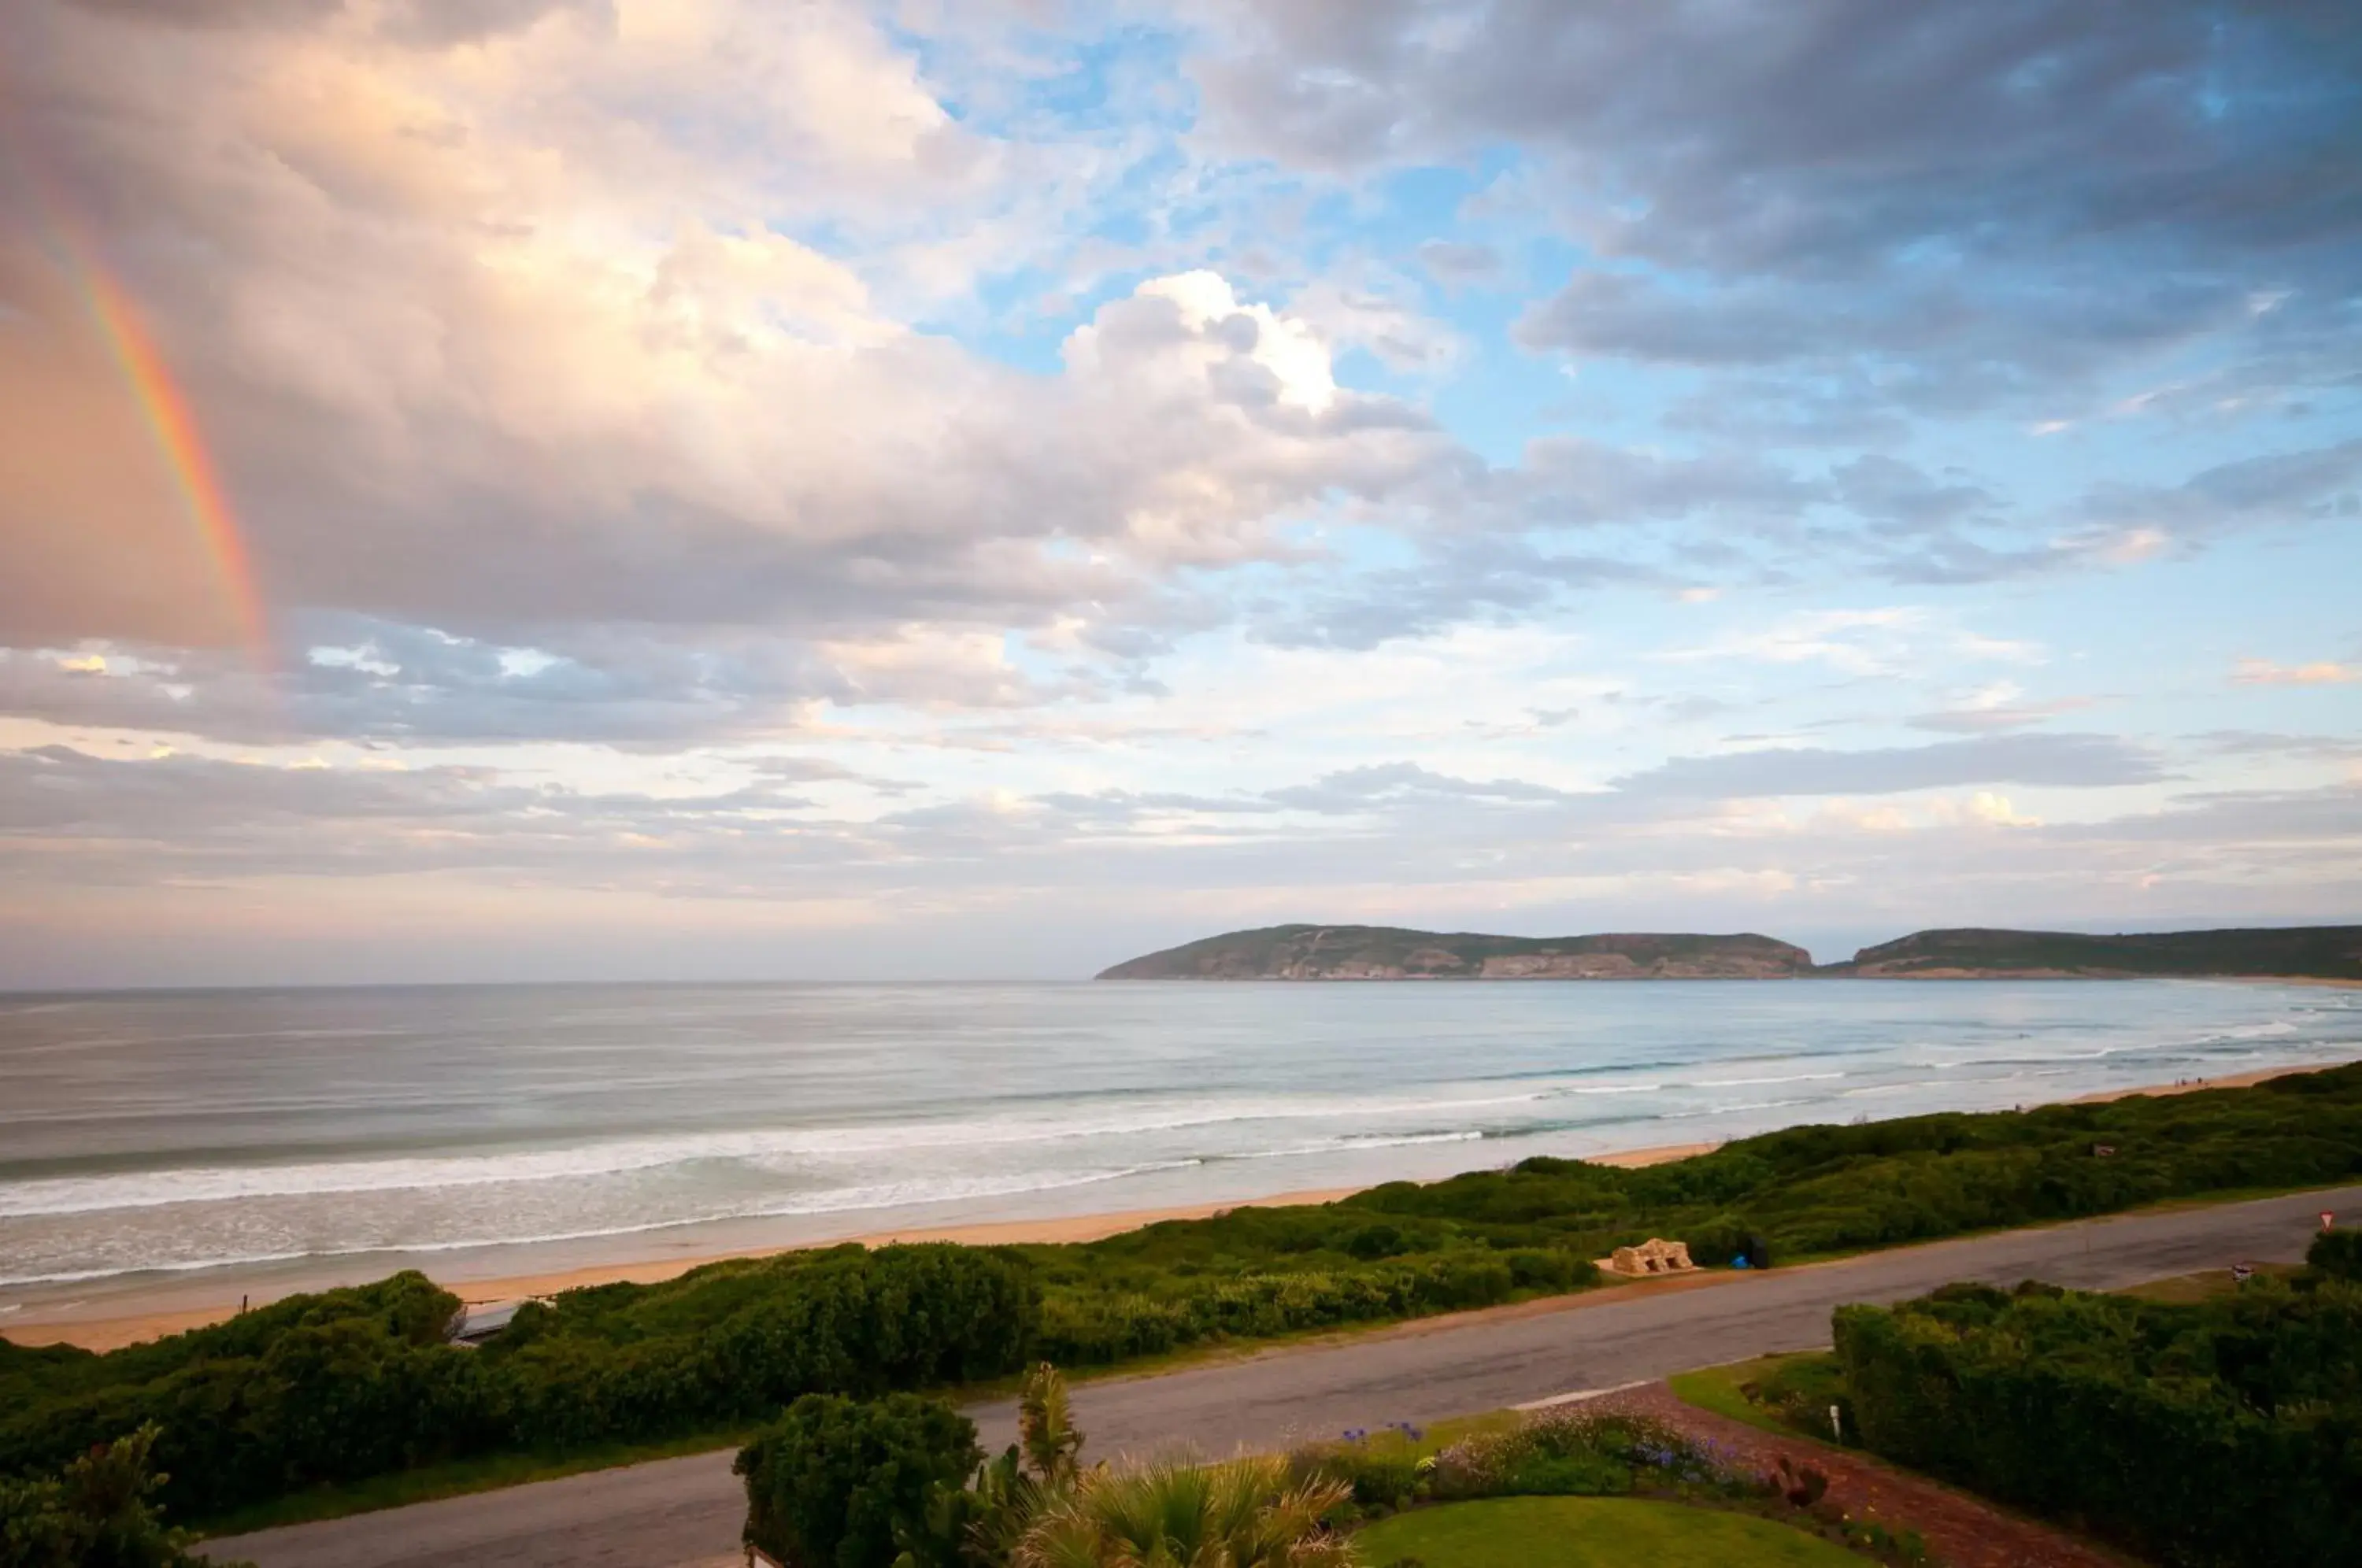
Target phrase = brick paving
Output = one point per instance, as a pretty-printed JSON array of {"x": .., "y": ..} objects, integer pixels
[{"x": 1960, "y": 1531}]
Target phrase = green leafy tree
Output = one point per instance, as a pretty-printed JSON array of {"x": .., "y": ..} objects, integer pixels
[
  {"x": 838, "y": 1481},
  {"x": 99, "y": 1514}
]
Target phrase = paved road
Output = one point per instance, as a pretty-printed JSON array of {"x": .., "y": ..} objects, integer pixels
[{"x": 682, "y": 1511}]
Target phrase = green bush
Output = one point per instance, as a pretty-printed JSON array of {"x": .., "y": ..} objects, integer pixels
[
  {"x": 2337, "y": 1253},
  {"x": 351, "y": 1384},
  {"x": 96, "y": 1515},
  {"x": 843, "y": 1482},
  {"x": 2227, "y": 1432}
]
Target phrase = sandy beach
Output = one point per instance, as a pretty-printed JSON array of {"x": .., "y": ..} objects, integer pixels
[{"x": 113, "y": 1329}]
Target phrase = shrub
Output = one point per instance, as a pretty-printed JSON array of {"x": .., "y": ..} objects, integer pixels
[
  {"x": 96, "y": 1515},
  {"x": 1579, "y": 1453},
  {"x": 839, "y": 1482},
  {"x": 2336, "y": 1253},
  {"x": 350, "y": 1384},
  {"x": 1381, "y": 1471},
  {"x": 2176, "y": 1429}
]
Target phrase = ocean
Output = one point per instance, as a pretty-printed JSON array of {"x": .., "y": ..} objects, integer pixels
[{"x": 191, "y": 1139}]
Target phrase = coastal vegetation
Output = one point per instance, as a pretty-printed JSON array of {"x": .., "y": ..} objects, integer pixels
[
  {"x": 335, "y": 1388},
  {"x": 897, "y": 1484},
  {"x": 2323, "y": 952},
  {"x": 1388, "y": 953},
  {"x": 350, "y": 1384},
  {"x": 2226, "y": 1431},
  {"x": 99, "y": 1512}
]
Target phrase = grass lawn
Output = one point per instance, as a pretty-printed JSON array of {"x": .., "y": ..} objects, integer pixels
[
  {"x": 1717, "y": 1389},
  {"x": 2206, "y": 1284},
  {"x": 1592, "y": 1532}
]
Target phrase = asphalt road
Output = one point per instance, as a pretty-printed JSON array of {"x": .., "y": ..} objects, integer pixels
[{"x": 681, "y": 1511}]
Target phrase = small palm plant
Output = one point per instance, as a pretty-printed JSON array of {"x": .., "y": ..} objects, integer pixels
[
  {"x": 1044, "y": 1465},
  {"x": 1046, "y": 1428},
  {"x": 1242, "y": 1513}
]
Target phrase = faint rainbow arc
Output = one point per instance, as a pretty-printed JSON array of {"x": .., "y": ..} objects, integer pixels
[{"x": 173, "y": 427}]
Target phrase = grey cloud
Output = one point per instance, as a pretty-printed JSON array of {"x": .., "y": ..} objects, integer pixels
[
  {"x": 178, "y": 821},
  {"x": 2078, "y": 761},
  {"x": 2324, "y": 484},
  {"x": 438, "y": 24},
  {"x": 1767, "y": 133},
  {"x": 1955, "y": 205},
  {"x": 1463, "y": 578},
  {"x": 1891, "y": 492},
  {"x": 2268, "y": 742},
  {"x": 1406, "y": 783},
  {"x": 1452, "y": 262},
  {"x": 216, "y": 13}
]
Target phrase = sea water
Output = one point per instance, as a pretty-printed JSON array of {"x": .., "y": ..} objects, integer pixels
[{"x": 315, "y": 1135}]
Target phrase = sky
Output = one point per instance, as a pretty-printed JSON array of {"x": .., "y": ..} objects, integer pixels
[{"x": 512, "y": 490}]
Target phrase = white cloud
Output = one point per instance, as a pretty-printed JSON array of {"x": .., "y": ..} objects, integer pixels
[{"x": 2323, "y": 672}]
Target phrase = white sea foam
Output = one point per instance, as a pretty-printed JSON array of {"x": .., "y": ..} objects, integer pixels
[
  {"x": 257, "y": 1131},
  {"x": 779, "y": 1150},
  {"x": 845, "y": 1200},
  {"x": 1778, "y": 1079}
]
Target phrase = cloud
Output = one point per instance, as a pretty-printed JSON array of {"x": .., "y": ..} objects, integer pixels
[
  {"x": 1406, "y": 783},
  {"x": 2065, "y": 761},
  {"x": 2264, "y": 672},
  {"x": 2321, "y": 484},
  {"x": 893, "y": 466},
  {"x": 1996, "y": 708},
  {"x": 2266, "y": 742},
  {"x": 1848, "y": 213},
  {"x": 1459, "y": 263},
  {"x": 1776, "y": 135}
]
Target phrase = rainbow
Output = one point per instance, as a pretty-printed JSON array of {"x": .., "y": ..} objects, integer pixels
[
  {"x": 173, "y": 425},
  {"x": 165, "y": 409}
]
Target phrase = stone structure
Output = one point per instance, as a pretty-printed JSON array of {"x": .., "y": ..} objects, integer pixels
[{"x": 1651, "y": 1257}]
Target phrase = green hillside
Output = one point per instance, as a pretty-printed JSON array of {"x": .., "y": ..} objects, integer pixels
[
  {"x": 1393, "y": 953},
  {"x": 2329, "y": 952},
  {"x": 1389, "y": 952}
]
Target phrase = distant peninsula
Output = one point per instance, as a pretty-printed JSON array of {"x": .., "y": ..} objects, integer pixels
[
  {"x": 1391, "y": 953},
  {"x": 1386, "y": 953}
]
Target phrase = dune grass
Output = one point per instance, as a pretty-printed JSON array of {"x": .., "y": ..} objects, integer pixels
[{"x": 1592, "y": 1532}]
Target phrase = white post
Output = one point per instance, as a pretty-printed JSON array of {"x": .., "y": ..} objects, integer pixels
[{"x": 1836, "y": 1423}]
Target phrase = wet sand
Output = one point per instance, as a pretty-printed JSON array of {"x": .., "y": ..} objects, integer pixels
[{"x": 116, "y": 1329}]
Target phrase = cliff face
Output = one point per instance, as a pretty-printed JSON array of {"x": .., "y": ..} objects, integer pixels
[
  {"x": 2327, "y": 952},
  {"x": 1386, "y": 953}
]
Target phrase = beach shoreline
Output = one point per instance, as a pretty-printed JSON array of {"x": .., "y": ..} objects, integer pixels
[{"x": 108, "y": 1327}]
